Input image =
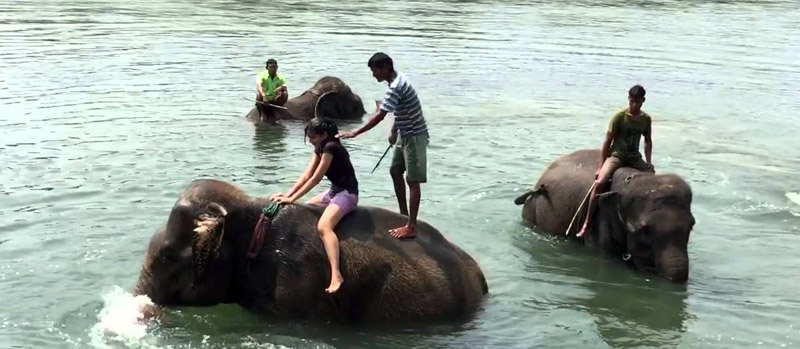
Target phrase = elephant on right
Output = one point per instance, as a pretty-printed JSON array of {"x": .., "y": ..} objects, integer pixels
[{"x": 643, "y": 218}]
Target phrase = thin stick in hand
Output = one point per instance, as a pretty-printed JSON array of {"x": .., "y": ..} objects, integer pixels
[
  {"x": 267, "y": 104},
  {"x": 594, "y": 183},
  {"x": 381, "y": 159}
]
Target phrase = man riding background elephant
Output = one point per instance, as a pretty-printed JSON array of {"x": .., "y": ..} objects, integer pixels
[
  {"x": 272, "y": 90},
  {"x": 644, "y": 218},
  {"x": 329, "y": 98}
]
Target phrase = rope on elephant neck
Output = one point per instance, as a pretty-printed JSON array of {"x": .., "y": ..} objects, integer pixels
[
  {"x": 268, "y": 213},
  {"x": 271, "y": 211}
]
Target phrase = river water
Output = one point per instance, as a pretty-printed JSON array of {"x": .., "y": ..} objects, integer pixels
[{"x": 108, "y": 109}]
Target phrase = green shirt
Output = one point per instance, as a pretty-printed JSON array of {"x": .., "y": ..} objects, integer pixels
[
  {"x": 627, "y": 133},
  {"x": 269, "y": 84}
]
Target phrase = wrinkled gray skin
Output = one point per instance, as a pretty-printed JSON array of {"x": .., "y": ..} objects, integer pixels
[
  {"x": 642, "y": 216},
  {"x": 337, "y": 102},
  {"x": 385, "y": 279}
]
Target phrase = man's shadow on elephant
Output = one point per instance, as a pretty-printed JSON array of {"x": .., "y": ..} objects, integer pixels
[{"x": 629, "y": 309}]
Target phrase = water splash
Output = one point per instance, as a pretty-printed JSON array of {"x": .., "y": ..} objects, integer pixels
[
  {"x": 121, "y": 321},
  {"x": 794, "y": 197}
]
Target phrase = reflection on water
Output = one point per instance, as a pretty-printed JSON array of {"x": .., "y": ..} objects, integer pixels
[
  {"x": 268, "y": 140},
  {"x": 637, "y": 313},
  {"x": 627, "y": 307}
]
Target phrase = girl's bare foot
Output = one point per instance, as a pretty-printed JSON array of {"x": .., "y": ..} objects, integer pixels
[{"x": 336, "y": 282}]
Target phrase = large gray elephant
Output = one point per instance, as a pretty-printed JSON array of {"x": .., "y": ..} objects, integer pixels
[
  {"x": 330, "y": 97},
  {"x": 643, "y": 218},
  {"x": 205, "y": 256}
]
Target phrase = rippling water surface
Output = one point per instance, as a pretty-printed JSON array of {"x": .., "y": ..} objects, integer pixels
[{"x": 108, "y": 109}]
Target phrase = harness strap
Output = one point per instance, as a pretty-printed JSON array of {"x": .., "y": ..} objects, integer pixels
[{"x": 262, "y": 227}]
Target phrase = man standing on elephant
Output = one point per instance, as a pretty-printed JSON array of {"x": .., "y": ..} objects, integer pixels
[
  {"x": 409, "y": 134},
  {"x": 271, "y": 88},
  {"x": 621, "y": 147}
]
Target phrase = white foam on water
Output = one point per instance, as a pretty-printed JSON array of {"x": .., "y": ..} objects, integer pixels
[
  {"x": 121, "y": 321},
  {"x": 794, "y": 197}
]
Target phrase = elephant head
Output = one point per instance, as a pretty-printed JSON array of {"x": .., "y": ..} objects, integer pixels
[
  {"x": 189, "y": 261},
  {"x": 331, "y": 98},
  {"x": 648, "y": 217}
]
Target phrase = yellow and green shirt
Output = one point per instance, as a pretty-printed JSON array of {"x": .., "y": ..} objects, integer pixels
[
  {"x": 269, "y": 84},
  {"x": 627, "y": 133}
]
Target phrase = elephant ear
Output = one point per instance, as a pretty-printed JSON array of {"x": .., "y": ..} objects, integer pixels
[
  {"x": 327, "y": 96},
  {"x": 608, "y": 203},
  {"x": 609, "y": 199},
  {"x": 208, "y": 233}
]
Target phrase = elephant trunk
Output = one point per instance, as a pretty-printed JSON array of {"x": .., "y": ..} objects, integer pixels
[
  {"x": 302, "y": 107},
  {"x": 141, "y": 287},
  {"x": 144, "y": 288},
  {"x": 674, "y": 264}
]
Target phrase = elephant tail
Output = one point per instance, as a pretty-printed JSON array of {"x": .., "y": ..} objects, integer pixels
[{"x": 541, "y": 189}]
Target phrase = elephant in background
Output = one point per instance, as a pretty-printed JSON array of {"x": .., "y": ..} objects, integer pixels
[
  {"x": 644, "y": 218},
  {"x": 330, "y": 97},
  {"x": 201, "y": 257}
]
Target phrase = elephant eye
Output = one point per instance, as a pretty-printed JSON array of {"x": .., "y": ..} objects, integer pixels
[
  {"x": 173, "y": 255},
  {"x": 167, "y": 255}
]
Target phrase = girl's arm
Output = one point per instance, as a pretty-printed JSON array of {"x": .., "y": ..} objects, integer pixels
[
  {"x": 324, "y": 163},
  {"x": 312, "y": 164}
]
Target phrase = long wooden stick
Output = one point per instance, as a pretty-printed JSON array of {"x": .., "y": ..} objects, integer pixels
[
  {"x": 381, "y": 159},
  {"x": 594, "y": 183},
  {"x": 267, "y": 104}
]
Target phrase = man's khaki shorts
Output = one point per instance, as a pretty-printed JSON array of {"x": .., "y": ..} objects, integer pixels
[
  {"x": 614, "y": 163},
  {"x": 410, "y": 155}
]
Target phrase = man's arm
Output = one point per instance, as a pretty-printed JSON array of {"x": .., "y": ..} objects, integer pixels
[
  {"x": 282, "y": 86},
  {"x": 393, "y": 135},
  {"x": 606, "y": 147},
  {"x": 613, "y": 127},
  {"x": 373, "y": 121},
  {"x": 259, "y": 87},
  {"x": 648, "y": 147}
]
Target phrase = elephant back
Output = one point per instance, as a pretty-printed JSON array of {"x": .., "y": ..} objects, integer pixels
[
  {"x": 384, "y": 277},
  {"x": 564, "y": 185}
]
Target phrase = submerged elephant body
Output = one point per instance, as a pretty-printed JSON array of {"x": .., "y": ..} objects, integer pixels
[
  {"x": 643, "y": 218},
  {"x": 330, "y": 97},
  {"x": 200, "y": 258}
]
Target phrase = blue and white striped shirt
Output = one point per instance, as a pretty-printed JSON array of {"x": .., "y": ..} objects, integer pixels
[{"x": 401, "y": 99}]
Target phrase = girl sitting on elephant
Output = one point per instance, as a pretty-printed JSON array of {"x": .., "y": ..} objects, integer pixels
[{"x": 332, "y": 160}]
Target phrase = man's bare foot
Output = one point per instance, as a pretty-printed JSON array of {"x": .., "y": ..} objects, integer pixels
[
  {"x": 405, "y": 232},
  {"x": 584, "y": 230},
  {"x": 336, "y": 282}
]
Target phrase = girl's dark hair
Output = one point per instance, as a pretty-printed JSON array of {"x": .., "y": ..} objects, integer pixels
[{"x": 320, "y": 126}]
